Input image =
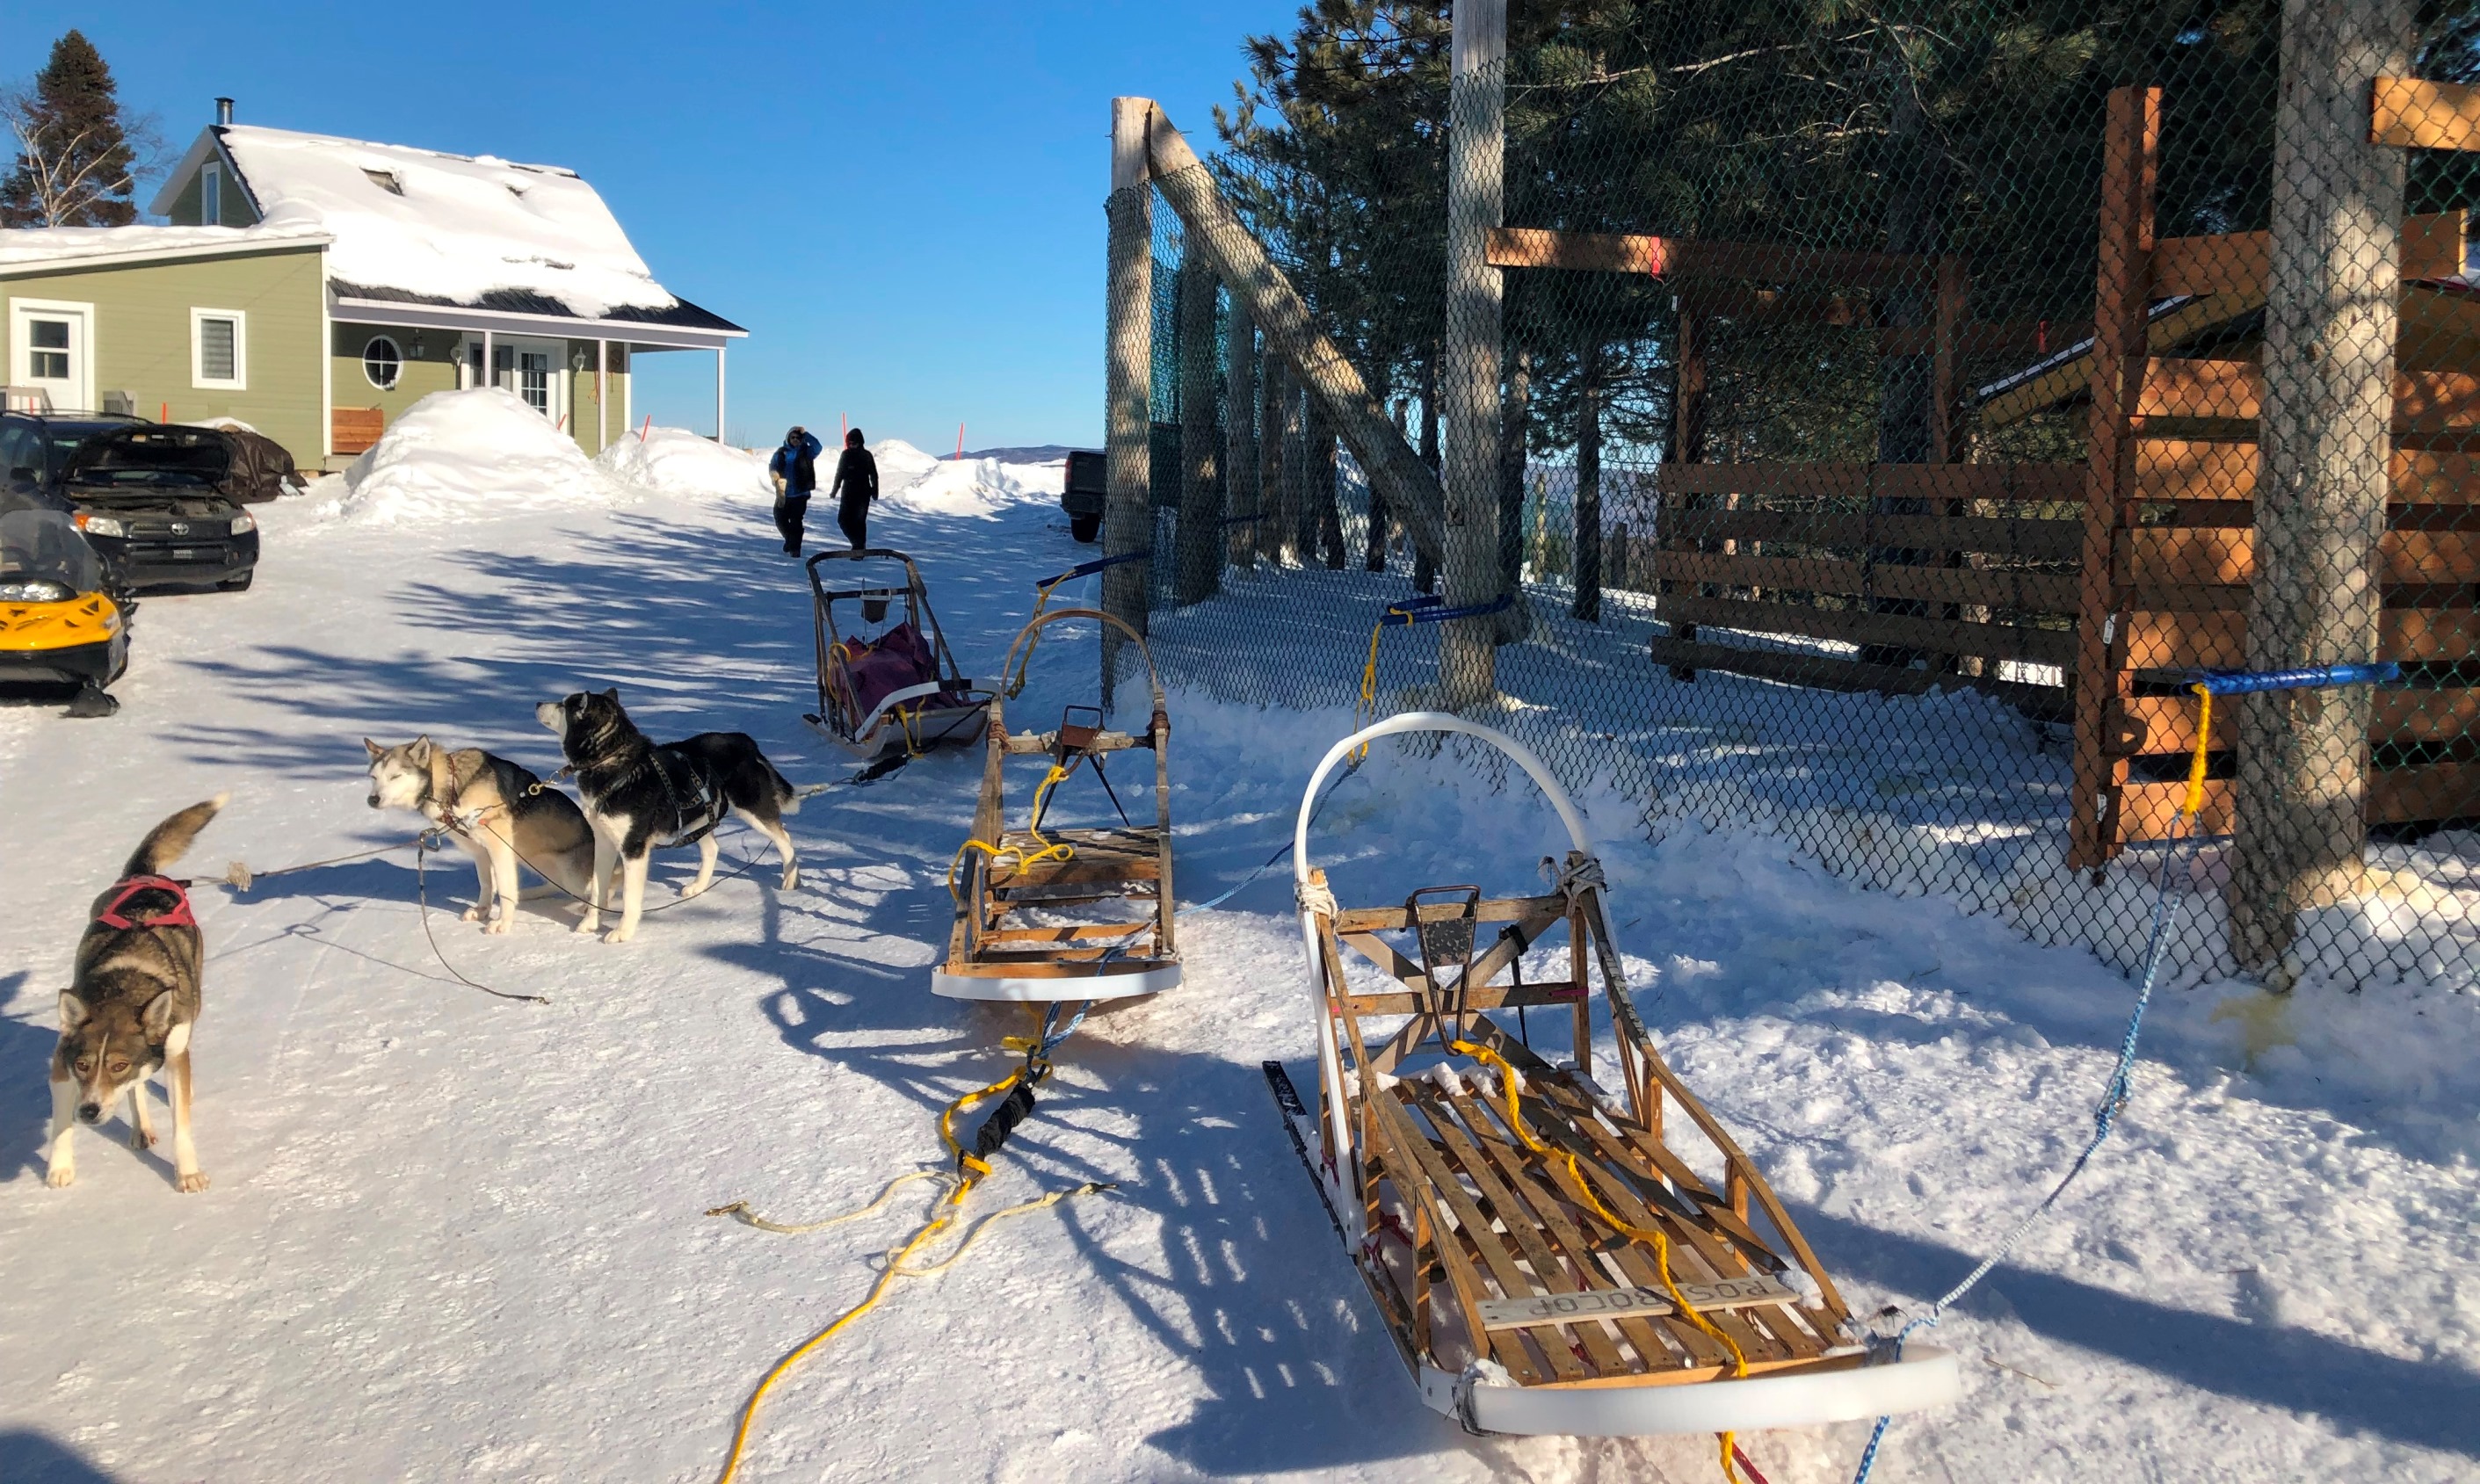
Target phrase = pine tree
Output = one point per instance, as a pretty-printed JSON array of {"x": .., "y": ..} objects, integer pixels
[{"x": 74, "y": 160}]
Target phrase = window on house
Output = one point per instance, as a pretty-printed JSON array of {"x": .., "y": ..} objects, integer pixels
[
  {"x": 210, "y": 195},
  {"x": 218, "y": 348},
  {"x": 382, "y": 363},
  {"x": 47, "y": 355},
  {"x": 385, "y": 180},
  {"x": 533, "y": 380}
]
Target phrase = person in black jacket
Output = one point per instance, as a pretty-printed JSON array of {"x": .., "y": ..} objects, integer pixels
[
  {"x": 856, "y": 486},
  {"x": 795, "y": 472}
]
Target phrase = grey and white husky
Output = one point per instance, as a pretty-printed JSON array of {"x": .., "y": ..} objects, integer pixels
[
  {"x": 498, "y": 810},
  {"x": 133, "y": 998},
  {"x": 638, "y": 795}
]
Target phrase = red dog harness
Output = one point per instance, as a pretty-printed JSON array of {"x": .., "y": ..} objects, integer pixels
[{"x": 178, "y": 916}]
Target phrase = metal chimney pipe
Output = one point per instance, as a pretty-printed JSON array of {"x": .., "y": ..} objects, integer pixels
[{"x": 224, "y": 111}]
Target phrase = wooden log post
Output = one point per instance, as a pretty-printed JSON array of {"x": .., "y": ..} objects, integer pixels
[
  {"x": 1516, "y": 431},
  {"x": 1469, "y": 379},
  {"x": 2131, "y": 156},
  {"x": 1322, "y": 517},
  {"x": 1240, "y": 435},
  {"x": 1197, "y": 545},
  {"x": 1127, "y": 514},
  {"x": 1320, "y": 366},
  {"x": 2330, "y": 319}
]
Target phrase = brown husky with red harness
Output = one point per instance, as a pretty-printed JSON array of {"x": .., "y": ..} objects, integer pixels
[{"x": 129, "y": 1009}]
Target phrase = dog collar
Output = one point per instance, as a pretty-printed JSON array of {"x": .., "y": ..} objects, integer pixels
[{"x": 178, "y": 916}]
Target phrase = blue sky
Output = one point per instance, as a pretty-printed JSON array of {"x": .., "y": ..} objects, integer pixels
[{"x": 902, "y": 202}]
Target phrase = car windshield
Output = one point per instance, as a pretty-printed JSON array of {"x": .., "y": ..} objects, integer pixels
[
  {"x": 152, "y": 456},
  {"x": 45, "y": 545}
]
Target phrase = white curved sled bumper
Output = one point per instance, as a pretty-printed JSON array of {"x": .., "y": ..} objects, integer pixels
[
  {"x": 1049, "y": 988},
  {"x": 1926, "y": 1376}
]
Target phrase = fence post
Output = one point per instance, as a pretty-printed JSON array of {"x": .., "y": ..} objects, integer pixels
[
  {"x": 1514, "y": 436},
  {"x": 2131, "y": 145},
  {"x": 1198, "y": 543},
  {"x": 1240, "y": 435},
  {"x": 1128, "y": 369},
  {"x": 2325, "y": 442},
  {"x": 1274, "y": 414},
  {"x": 1476, "y": 202},
  {"x": 1585, "y": 539}
]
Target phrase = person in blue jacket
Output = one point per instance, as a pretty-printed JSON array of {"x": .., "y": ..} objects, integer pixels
[{"x": 795, "y": 472}]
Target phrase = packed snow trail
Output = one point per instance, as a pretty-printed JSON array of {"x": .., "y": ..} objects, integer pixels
[{"x": 454, "y": 1238}]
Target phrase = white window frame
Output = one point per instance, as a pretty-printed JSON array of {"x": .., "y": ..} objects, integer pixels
[
  {"x": 239, "y": 382},
  {"x": 513, "y": 378},
  {"x": 82, "y": 374},
  {"x": 371, "y": 339},
  {"x": 210, "y": 195}
]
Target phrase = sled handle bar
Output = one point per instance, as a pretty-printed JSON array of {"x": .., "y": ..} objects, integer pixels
[
  {"x": 1427, "y": 609},
  {"x": 1088, "y": 569},
  {"x": 2240, "y": 683}
]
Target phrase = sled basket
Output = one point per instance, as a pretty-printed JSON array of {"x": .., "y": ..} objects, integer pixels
[
  {"x": 1004, "y": 875},
  {"x": 1558, "y": 1265},
  {"x": 893, "y": 690}
]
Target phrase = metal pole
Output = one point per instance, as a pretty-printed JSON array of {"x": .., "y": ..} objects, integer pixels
[
  {"x": 718, "y": 394},
  {"x": 601, "y": 395},
  {"x": 1127, "y": 510},
  {"x": 1469, "y": 386}
]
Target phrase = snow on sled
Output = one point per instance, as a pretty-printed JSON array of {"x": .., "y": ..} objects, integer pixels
[
  {"x": 1559, "y": 1266},
  {"x": 897, "y": 690},
  {"x": 1002, "y": 877}
]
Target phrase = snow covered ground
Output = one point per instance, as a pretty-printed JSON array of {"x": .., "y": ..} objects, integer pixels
[{"x": 454, "y": 1237}]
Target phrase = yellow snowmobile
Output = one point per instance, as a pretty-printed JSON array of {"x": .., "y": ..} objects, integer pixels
[{"x": 60, "y": 619}]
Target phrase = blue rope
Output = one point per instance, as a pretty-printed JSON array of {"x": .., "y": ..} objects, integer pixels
[
  {"x": 1088, "y": 569},
  {"x": 1287, "y": 849},
  {"x": 2114, "y": 1097}
]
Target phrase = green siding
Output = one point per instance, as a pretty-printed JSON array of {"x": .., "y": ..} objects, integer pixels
[
  {"x": 235, "y": 203},
  {"x": 582, "y": 410},
  {"x": 427, "y": 364},
  {"x": 141, "y": 336}
]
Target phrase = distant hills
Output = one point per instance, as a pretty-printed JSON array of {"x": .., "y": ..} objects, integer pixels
[{"x": 1039, "y": 453}]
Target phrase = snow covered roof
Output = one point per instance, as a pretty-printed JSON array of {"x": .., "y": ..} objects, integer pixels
[
  {"x": 422, "y": 226},
  {"x": 23, "y": 247}
]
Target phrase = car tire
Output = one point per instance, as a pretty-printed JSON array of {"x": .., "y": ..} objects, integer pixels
[
  {"x": 239, "y": 584},
  {"x": 1087, "y": 528}
]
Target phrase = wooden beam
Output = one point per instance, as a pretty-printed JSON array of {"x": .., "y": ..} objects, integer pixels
[
  {"x": 2440, "y": 790},
  {"x": 2166, "y": 724},
  {"x": 2034, "y": 540},
  {"x": 1586, "y": 252},
  {"x": 2240, "y": 262},
  {"x": 2182, "y": 387},
  {"x": 2041, "y": 592},
  {"x": 1835, "y": 672},
  {"x": 2056, "y": 482},
  {"x": 1949, "y": 636},
  {"x": 2414, "y": 113},
  {"x": 2162, "y": 640}
]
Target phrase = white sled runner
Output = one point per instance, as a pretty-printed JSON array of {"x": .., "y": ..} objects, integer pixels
[
  {"x": 1002, "y": 874},
  {"x": 1556, "y": 1265}
]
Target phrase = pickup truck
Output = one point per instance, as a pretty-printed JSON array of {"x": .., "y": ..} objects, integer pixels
[{"x": 148, "y": 497}]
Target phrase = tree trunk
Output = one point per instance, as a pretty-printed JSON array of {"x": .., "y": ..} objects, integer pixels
[
  {"x": 1588, "y": 546},
  {"x": 1322, "y": 523},
  {"x": 1515, "y": 432},
  {"x": 1240, "y": 437},
  {"x": 1127, "y": 516},
  {"x": 1475, "y": 295},
  {"x": 1198, "y": 542},
  {"x": 1425, "y": 572},
  {"x": 1379, "y": 537},
  {"x": 1300, "y": 535},
  {"x": 1905, "y": 382},
  {"x": 1273, "y": 510},
  {"x": 2320, "y": 506}
]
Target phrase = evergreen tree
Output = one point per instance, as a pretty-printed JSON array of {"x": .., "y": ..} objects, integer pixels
[{"x": 73, "y": 157}]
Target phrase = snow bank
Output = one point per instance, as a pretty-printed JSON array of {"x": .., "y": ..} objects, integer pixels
[
  {"x": 981, "y": 488},
  {"x": 470, "y": 455},
  {"x": 680, "y": 462},
  {"x": 25, "y": 246}
]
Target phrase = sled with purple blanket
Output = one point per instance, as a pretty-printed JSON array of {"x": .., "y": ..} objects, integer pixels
[{"x": 885, "y": 687}]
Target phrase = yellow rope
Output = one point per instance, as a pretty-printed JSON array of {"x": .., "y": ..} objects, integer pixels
[
  {"x": 1368, "y": 702},
  {"x": 1661, "y": 1243},
  {"x": 2196, "y": 764},
  {"x": 898, "y": 1261},
  {"x": 1049, "y": 851}
]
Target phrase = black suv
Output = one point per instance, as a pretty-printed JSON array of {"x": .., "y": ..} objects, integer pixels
[
  {"x": 147, "y": 495},
  {"x": 1089, "y": 484}
]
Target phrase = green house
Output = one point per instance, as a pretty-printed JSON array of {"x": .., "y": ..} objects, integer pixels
[{"x": 315, "y": 288}]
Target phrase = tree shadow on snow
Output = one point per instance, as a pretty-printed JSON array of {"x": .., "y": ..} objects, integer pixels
[{"x": 28, "y": 1457}]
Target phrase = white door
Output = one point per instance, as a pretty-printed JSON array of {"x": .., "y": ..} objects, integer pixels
[
  {"x": 51, "y": 350},
  {"x": 532, "y": 369}
]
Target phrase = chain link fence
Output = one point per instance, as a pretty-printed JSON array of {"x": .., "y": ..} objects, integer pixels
[{"x": 1897, "y": 406}]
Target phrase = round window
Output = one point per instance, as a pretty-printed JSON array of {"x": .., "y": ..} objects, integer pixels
[{"x": 383, "y": 362}]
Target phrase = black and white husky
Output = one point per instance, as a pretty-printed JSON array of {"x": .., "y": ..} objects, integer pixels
[{"x": 638, "y": 795}]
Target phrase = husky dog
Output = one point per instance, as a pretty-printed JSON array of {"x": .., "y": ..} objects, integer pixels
[
  {"x": 128, "y": 1011},
  {"x": 501, "y": 813},
  {"x": 639, "y": 795}
]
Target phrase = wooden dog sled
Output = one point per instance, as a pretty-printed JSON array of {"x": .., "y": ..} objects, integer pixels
[
  {"x": 1001, "y": 875},
  {"x": 1560, "y": 1266}
]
